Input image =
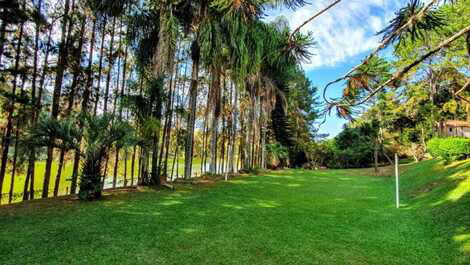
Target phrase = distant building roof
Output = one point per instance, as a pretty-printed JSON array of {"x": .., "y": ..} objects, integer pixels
[{"x": 455, "y": 123}]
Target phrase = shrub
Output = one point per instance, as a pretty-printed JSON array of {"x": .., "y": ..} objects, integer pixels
[
  {"x": 449, "y": 148},
  {"x": 277, "y": 155}
]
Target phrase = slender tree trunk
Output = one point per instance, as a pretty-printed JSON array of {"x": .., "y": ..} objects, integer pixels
[
  {"x": 166, "y": 129},
  {"x": 56, "y": 95},
  {"x": 170, "y": 123},
  {"x": 205, "y": 131},
  {"x": 188, "y": 152},
  {"x": 13, "y": 170},
  {"x": 11, "y": 110},
  {"x": 233, "y": 130},
  {"x": 3, "y": 29},
  {"x": 100, "y": 70},
  {"x": 215, "y": 120},
  {"x": 249, "y": 131},
  {"x": 84, "y": 108},
  {"x": 71, "y": 100},
  {"x": 133, "y": 165},
  {"x": 17, "y": 136},
  {"x": 117, "y": 93},
  {"x": 36, "y": 101},
  {"x": 110, "y": 66},
  {"x": 376, "y": 157},
  {"x": 263, "y": 138}
]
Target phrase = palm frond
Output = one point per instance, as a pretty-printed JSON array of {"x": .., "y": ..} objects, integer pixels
[{"x": 421, "y": 23}]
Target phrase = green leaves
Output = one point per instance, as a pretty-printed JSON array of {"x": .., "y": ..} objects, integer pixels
[
  {"x": 63, "y": 134},
  {"x": 449, "y": 148},
  {"x": 244, "y": 9},
  {"x": 299, "y": 47},
  {"x": 421, "y": 23},
  {"x": 288, "y": 3},
  {"x": 366, "y": 78}
]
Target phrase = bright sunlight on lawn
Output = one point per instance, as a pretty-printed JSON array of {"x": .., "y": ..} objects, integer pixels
[{"x": 289, "y": 217}]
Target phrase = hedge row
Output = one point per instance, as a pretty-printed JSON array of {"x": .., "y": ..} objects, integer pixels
[{"x": 449, "y": 148}]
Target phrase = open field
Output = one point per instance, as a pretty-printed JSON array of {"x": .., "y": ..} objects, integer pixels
[{"x": 287, "y": 217}]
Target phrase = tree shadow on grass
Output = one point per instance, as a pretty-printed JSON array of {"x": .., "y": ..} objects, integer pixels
[{"x": 442, "y": 193}]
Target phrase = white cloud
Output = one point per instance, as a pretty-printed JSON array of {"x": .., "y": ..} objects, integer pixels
[{"x": 344, "y": 31}]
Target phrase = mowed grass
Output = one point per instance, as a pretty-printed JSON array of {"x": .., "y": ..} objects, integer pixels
[{"x": 288, "y": 217}]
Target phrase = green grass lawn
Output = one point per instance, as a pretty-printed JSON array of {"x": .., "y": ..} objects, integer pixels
[{"x": 288, "y": 217}]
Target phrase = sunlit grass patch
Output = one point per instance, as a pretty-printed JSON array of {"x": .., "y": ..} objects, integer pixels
[{"x": 286, "y": 217}]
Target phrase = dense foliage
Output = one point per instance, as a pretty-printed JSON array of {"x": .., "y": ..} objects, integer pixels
[
  {"x": 353, "y": 147},
  {"x": 203, "y": 87},
  {"x": 431, "y": 50},
  {"x": 449, "y": 148}
]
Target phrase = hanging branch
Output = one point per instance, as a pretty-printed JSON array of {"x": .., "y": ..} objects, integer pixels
[
  {"x": 381, "y": 46},
  {"x": 398, "y": 75},
  {"x": 467, "y": 85},
  {"x": 311, "y": 19}
]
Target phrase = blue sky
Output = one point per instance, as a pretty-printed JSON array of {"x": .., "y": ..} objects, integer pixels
[{"x": 344, "y": 36}]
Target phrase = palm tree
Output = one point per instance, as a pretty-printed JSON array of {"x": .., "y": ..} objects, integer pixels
[
  {"x": 99, "y": 134},
  {"x": 146, "y": 109}
]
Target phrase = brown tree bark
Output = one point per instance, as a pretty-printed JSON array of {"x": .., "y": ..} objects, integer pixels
[
  {"x": 61, "y": 65},
  {"x": 11, "y": 109},
  {"x": 188, "y": 152},
  {"x": 71, "y": 100}
]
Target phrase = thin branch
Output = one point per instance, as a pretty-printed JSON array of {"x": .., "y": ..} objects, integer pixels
[
  {"x": 406, "y": 69},
  {"x": 462, "y": 98},
  {"x": 381, "y": 46},
  {"x": 312, "y": 18},
  {"x": 467, "y": 85}
]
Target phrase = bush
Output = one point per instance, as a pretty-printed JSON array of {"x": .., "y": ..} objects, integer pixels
[{"x": 449, "y": 148}]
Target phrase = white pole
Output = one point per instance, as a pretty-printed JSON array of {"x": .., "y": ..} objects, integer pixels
[{"x": 397, "y": 189}]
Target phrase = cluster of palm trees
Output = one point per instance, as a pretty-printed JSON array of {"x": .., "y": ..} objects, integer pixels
[{"x": 130, "y": 88}]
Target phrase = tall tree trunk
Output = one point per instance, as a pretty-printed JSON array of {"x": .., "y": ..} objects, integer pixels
[
  {"x": 178, "y": 124},
  {"x": 84, "y": 107},
  {"x": 215, "y": 120},
  {"x": 170, "y": 117},
  {"x": 263, "y": 119},
  {"x": 36, "y": 102},
  {"x": 71, "y": 100},
  {"x": 3, "y": 29},
  {"x": 376, "y": 157},
  {"x": 249, "y": 131},
  {"x": 17, "y": 136},
  {"x": 56, "y": 95},
  {"x": 11, "y": 109},
  {"x": 117, "y": 94},
  {"x": 110, "y": 66},
  {"x": 205, "y": 131},
  {"x": 100, "y": 70},
  {"x": 233, "y": 130},
  {"x": 134, "y": 151},
  {"x": 188, "y": 152},
  {"x": 106, "y": 92}
]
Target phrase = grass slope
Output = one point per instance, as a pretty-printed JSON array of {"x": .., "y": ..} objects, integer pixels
[{"x": 290, "y": 217}]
